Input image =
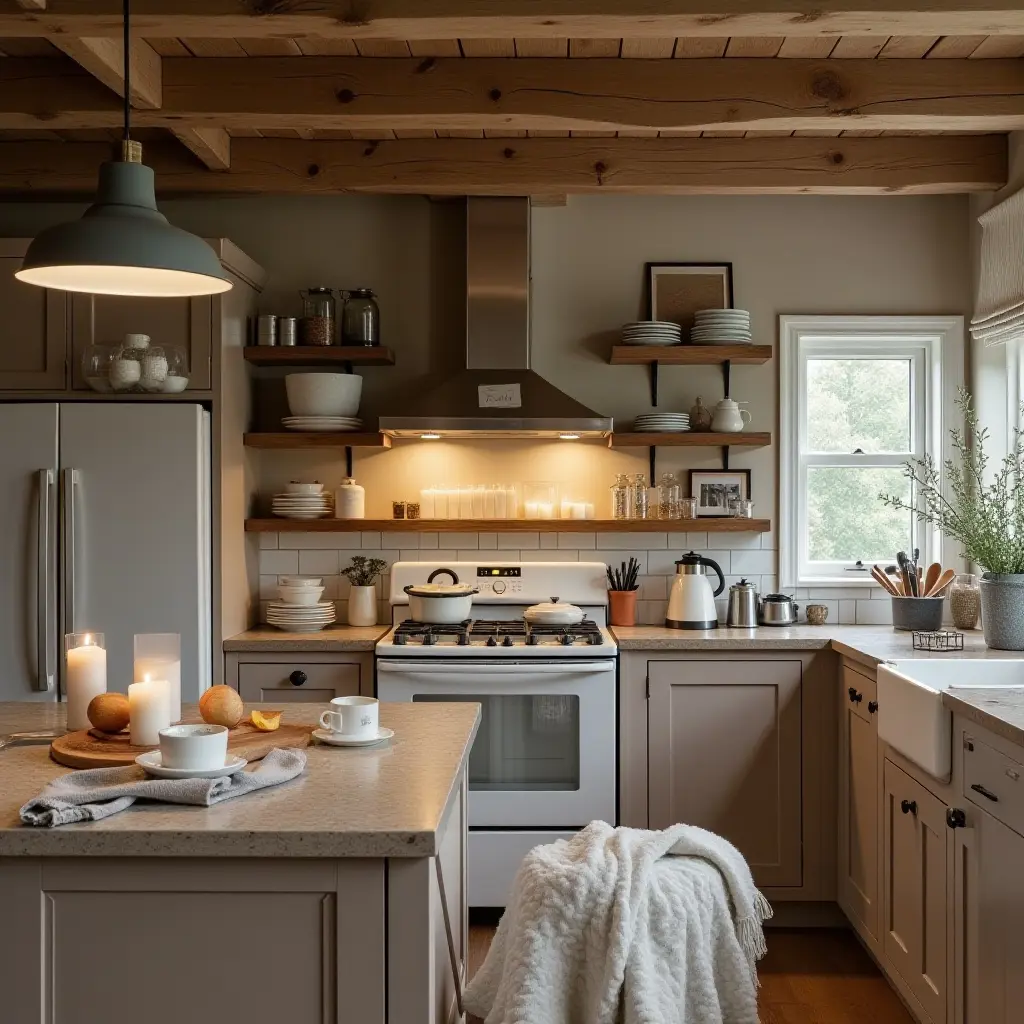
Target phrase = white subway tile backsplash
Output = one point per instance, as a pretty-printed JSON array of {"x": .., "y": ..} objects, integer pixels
[
  {"x": 876, "y": 593},
  {"x": 268, "y": 588},
  {"x": 302, "y": 541},
  {"x": 696, "y": 539},
  {"x": 268, "y": 541},
  {"x": 752, "y": 561},
  {"x": 577, "y": 540},
  {"x": 469, "y": 555},
  {"x": 487, "y": 541},
  {"x": 527, "y": 539},
  {"x": 428, "y": 540},
  {"x": 645, "y": 541},
  {"x": 616, "y": 558},
  {"x": 370, "y": 539},
  {"x": 768, "y": 541},
  {"x": 723, "y": 558},
  {"x": 653, "y": 588},
  {"x": 318, "y": 563},
  {"x": 738, "y": 541},
  {"x": 650, "y": 613},
  {"x": 394, "y": 539},
  {"x": 873, "y": 613},
  {"x": 415, "y": 555},
  {"x": 277, "y": 562},
  {"x": 462, "y": 540},
  {"x": 345, "y": 556},
  {"x": 546, "y": 555},
  {"x": 442, "y": 555},
  {"x": 848, "y": 612},
  {"x": 837, "y": 593},
  {"x": 549, "y": 540}
]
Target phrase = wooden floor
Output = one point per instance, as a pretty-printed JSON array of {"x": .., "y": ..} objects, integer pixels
[{"x": 810, "y": 976}]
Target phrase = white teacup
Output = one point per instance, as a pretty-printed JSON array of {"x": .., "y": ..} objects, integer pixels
[
  {"x": 355, "y": 717},
  {"x": 199, "y": 747}
]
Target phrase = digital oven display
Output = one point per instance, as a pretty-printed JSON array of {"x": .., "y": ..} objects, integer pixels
[{"x": 499, "y": 571}]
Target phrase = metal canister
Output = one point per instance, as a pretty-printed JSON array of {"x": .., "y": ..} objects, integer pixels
[
  {"x": 287, "y": 330},
  {"x": 266, "y": 329},
  {"x": 742, "y": 610}
]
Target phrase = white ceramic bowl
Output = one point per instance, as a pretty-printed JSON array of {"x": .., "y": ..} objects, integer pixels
[
  {"x": 198, "y": 747},
  {"x": 323, "y": 394},
  {"x": 300, "y": 581},
  {"x": 300, "y": 595},
  {"x": 299, "y": 488}
]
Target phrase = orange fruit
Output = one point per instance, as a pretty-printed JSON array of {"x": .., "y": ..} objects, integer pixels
[{"x": 265, "y": 721}]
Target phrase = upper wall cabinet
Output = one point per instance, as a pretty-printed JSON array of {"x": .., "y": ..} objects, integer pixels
[
  {"x": 33, "y": 328},
  {"x": 182, "y": 323}
]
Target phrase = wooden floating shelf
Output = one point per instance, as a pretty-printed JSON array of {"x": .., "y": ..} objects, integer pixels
[
  {"x": 689, "y": 355},
  {"x": 319, "y": 355},
  {"x": 702, "y": 525},
  {"x": 295, "y": 439},
  {"x": 692, "y": 439}
]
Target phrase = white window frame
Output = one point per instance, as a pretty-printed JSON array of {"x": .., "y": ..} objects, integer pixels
[{"x": 935, "y": 346}]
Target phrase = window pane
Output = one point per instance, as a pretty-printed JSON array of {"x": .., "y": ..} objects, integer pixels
[
  {"x": 858, "y": 403},
  {"x": 846, "y": 521}
]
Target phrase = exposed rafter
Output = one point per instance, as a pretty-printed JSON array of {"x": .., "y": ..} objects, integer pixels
[{"x": 532, "y": 166}]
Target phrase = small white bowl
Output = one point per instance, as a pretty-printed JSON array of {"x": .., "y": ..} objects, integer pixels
[
  {"x": 195, "y": 747},
  {"x": 300, "y": 581},
  {"x": 299, "y": 488},
  {"x": 302, "y": 596}
]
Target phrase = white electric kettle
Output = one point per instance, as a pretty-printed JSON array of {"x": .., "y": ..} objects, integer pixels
[{"x": 691, "y": 601}]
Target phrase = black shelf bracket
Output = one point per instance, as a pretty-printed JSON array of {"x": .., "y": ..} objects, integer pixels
[
  {"x": 725, "y": 456},
  {"x": 654, "y": 384},
  {"x": 652, "y": 456},
  {"x": 348, "y": 460},
  {"x": 726, "y": 376}
]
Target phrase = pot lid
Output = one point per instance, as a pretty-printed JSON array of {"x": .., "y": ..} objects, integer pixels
[
  {"x": 744, "y": 584},
  {"x": 441, "y": 590},
  {"x": 778, "y": 598},
  {"x": 553, "y": 611}
]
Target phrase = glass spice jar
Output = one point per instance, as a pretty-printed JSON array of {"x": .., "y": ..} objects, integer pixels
[
  {"x": 641, "y": 498},
  {"x": 318, "y": 316},
  {"x": 398, "y": 510},
  {"x": 622, "y": 497},
  {"x": 965, "y": 601},
  {"x": 412, "y": 510},
  {"x": 670, "y": 494}
]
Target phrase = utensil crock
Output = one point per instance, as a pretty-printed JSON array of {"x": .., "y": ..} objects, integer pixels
[{"x": 622, "y": 607}]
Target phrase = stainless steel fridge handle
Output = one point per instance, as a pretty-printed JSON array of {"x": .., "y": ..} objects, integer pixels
[
  {"x": 70, "y": 481},
  {"x": 44, "y": 585}
]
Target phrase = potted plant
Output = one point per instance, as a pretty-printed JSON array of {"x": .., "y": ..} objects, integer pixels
[
  {"x": 362, "y": 595},
  {"x": 984, "y": 512}
]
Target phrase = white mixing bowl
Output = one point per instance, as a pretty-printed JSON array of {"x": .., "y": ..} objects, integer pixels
[{"x": 323, "y": 394}]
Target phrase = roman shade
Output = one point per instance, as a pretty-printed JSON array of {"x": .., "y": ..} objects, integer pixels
[{"x": 999, "y": 304}]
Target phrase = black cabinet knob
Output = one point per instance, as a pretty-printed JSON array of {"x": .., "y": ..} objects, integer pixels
[
  {"x": 872, "y": 706},
  {"x": 908, "y": 806},
  {"x": 955, "y": 818},
  {"x": 297, "y": 678},
  {"x": 855, "y": 697}
]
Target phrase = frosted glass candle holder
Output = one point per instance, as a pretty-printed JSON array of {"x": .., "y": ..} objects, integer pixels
[
  {"x": 85, "y": 675},
  {"x": 158, "y": 656}
]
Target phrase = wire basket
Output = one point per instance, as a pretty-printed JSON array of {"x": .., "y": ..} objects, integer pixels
[{"x": 938, "y": 640}]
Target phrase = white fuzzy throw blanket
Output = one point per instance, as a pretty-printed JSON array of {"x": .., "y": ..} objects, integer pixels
[{"x": 621, "y": 924}]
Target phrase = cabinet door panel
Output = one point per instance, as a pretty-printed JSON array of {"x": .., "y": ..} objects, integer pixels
[
  {"x": 725, "y": 754},
  {"x": 916, "y": 849},
  {"x": 33, "y": 337},
  {"x": 272, "y": 683},
  {"x": 184, "y": 323}
]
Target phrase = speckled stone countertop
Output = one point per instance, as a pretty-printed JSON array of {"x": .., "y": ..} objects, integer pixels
[
  {"x": 339, "y": 638},
  {"x": 382, "y": 801},
  {"x": 999, "y": 710}
]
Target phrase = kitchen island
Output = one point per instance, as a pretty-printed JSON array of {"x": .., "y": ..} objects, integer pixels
[{"x": 316, "y": 901}]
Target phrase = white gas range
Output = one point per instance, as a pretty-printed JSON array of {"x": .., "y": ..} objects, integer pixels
[{"x": 543, "y": 763}]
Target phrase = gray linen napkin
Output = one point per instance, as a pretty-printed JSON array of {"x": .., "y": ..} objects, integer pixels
[{"x": 99, "y": 792}]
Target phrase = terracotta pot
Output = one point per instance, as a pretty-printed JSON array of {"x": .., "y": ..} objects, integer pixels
[{"x": 622, "y": 607}]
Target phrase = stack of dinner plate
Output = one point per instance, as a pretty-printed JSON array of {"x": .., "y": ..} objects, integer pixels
[
  {"x": 721, "y": 327},
  {"x": 662, "y": 423},
  {"x": 303, "y": 506},
  {"x": 322, "y": 423},
  {"x": 652, "y": 332},
  {"x": 298, "y": 618}
]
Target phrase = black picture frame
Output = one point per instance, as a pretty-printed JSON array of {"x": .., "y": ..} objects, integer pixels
[
  {"x": 651, "y": 268},
  {"x": 741, "y": 475}
]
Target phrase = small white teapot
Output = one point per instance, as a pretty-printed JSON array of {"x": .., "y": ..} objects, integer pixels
[{"x": 729, "y": 418}]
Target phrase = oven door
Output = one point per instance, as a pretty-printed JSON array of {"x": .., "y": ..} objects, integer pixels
[{"x": 545, "y": 753}]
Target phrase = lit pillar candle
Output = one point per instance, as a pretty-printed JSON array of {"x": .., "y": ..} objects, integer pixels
[
  {"x": 158, "y": 656},
  {"x": 85, "y": 676},
  {"x": 147, "y": 711}
]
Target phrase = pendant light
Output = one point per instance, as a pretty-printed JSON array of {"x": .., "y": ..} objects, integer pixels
[{"x": 123, "y": 245}]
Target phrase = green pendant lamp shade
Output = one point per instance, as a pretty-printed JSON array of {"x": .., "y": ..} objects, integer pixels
[{"x": 123, "y": 245}]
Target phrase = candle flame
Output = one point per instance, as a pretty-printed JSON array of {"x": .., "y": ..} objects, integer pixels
[
  {"x": 88, "y": 639},
  {"x": 145, "y": 678}
]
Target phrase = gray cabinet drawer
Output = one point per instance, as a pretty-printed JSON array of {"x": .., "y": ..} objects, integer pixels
[
  {"x": 297, "y": 682},
  {"x": 995, "y": 782}
]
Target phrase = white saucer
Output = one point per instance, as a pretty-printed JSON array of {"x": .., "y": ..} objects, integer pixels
[
  {"x": 152, "y": 764},
  {"x": 334, "y": 740}
]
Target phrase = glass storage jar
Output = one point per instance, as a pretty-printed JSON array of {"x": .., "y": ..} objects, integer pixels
[
  {"x": 360, "y": 318},
  {"x": 622, "y": 497},
  {"x": 641, "y": 498},
  {"x": 965, "y": 601},
  {"x": 670, "y": 495},
  {"x": 96, "y": 367},
  {"x": 126, "y": 362},
  {"x": 319, "y": 309},
  {"x": 176, "y": 380}
]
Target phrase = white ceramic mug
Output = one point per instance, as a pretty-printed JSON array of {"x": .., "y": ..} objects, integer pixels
[
  {"x": 198, "y": 747},
  {"x": 355, "y": 717}
]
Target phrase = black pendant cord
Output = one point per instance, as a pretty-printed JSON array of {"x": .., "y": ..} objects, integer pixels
[{"x": 126, "y": 27}]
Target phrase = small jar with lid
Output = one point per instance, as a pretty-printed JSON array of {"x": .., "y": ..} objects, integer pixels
[
  {"x": 622, "y": 497},
  {"x": 360, "y": 318},
  {"x": 670, "y": 494},
  {"x": 965, "y": 601},
  {"x": 641, "y": 497},
  {"x": 318, "y": 316}
]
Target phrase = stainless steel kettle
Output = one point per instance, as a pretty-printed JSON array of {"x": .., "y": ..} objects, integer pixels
[
  {"x": 691, "y": 601},
  {"x": 742, "y": 610},
  {"x": 778, "y": 610}
]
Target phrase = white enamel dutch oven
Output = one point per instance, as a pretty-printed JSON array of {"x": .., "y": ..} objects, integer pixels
[
  {"x": 443, "y": 603},
  {"x": 554, "y": 613}
]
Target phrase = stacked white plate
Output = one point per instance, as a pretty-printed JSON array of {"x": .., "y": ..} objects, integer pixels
[
  {"x": 721, "y": 327},
  {"x": 662, "y": 423},
  {"x": 302, "y": 506},
  {"x": 299, "y": 618},
  {"x": 322, "y": 423},
  {"x": 652, "y": 332}
]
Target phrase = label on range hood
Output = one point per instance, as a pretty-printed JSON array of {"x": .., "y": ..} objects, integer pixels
[{"x": 499, "y": 396}]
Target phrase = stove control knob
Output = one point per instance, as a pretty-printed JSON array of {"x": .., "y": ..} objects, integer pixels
[
  {"x": 492, "y": 642},
  {"x": 507, "y": 642},
  {"x": 429, "y": 640},
  {"x": 594, "y": 640},
  {"x": 400, "y": 639},
  {"x": 532, "y": 640},
  {"x": 499, "y": 587},
  {"x": 567, "y": 640},
  {"x": 463, "y": 639}
]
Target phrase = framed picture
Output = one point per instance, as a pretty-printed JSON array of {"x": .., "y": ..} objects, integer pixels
[
  {"x": 675, "y": 291},
  {"x": 713, "y": 489}
]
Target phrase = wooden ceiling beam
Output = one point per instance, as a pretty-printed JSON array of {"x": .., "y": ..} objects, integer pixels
[
  {"x": 329, "y": 93},
  {"x": 676, "y": 166},
  {"x": 505, "y": 19}
]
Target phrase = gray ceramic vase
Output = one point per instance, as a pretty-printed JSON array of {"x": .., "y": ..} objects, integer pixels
[{"x": 1002, "y": 610}]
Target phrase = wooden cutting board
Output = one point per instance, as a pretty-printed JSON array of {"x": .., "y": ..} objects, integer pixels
[{"x": 92, "y": 749}]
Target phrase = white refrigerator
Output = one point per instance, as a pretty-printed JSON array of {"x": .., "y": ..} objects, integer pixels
[{"x": 105, "y": 513}]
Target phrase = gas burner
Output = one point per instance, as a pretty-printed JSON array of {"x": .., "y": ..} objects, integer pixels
[
  {"x": 431, "y": 633},
  {"x": 495, "y": 627},
  {"x": 496, "y": 633}
]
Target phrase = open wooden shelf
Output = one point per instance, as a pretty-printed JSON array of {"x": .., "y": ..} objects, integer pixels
[
  {"x": 297, "y": 440},
  {"x": 701, "y": 525},
  {"x": 319, "y": 355},
  {"x": 691, "y": 439},
  {"x": 689, "y": 355}
]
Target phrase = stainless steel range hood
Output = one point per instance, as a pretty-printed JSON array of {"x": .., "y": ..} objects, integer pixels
[{"x": 497, "y": 395}]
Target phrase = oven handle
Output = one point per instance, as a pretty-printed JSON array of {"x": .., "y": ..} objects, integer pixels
[{"x": 565, "y": 668}]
